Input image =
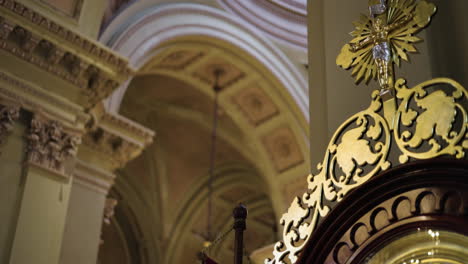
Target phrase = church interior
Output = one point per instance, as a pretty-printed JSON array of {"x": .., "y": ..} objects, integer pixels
[{"x": 131, "y": 129}]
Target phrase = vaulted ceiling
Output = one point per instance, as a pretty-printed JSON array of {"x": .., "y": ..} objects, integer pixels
[{"x": 262, "y": 144}]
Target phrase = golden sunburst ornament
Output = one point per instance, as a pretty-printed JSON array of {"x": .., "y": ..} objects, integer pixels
[{"x": 383, "y": 38}]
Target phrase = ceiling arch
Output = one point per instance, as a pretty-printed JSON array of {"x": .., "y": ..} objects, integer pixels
[
  {"x": 283, "y": 20},
  {"x": 141, "y": 34}
]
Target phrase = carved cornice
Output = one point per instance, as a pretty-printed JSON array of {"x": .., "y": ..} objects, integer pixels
[
  {"x": 117, "y": 140},
  {"x": 33, "y": 98},
  {"x": 127, "y": 127},
  {"x": 8, "y": 115},
  {"x": 51, "y": 146},
  {"x": 86, "y": 64}
]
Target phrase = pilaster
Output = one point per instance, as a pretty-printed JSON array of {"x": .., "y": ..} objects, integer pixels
[
  {"x": 84, "y": 217},
  {"x": 11, "y": 169},
  {"x": 51, "y": 148},
  {"x": 109, "y": 145}
]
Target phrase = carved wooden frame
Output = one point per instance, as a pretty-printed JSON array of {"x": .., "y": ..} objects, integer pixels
[{"x": 427, "y": 194}]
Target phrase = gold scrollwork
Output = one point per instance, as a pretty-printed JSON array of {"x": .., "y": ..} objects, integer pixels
[
  {"x": 356, "y": 152},
  {"x": 432, "y": 131}
]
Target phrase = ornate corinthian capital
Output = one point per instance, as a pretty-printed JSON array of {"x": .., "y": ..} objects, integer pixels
[{"x": 50, "y": 146}]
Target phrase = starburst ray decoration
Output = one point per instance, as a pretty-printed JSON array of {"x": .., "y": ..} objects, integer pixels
[{"x": 404, "y": 19}]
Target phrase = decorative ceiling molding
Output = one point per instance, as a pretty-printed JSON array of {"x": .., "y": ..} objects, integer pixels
[
  {"x": 231, "y": 73},
  {"x": 284, "y": 21},
  {"x": 86, "y": 64},
  {"x": 255, "y": 104},
  {"x": 138, "y": 38},
  {"x": 283, "y": 148},
  {"x": 180, "y": 59}
]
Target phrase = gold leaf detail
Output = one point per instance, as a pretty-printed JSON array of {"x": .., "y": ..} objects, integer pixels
[
  {"x": 403, "y": 19},
  {"x": 359, "y": 149},
  {"x": 434, "y": 125}
]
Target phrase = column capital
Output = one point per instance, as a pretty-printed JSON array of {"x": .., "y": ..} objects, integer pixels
[{"x": 51, "y": 146}]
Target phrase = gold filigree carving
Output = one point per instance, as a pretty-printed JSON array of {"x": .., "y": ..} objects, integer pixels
[
  {"x": 431, "y": 120},
  {"x": 357, "y": 151},
  {"x": 8, "y": 115},
  {"x": 49, "y": 146},
  {"x": 426, "y": 121}
]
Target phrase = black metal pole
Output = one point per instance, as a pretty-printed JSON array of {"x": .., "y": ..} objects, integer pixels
[{"x": 240, "y": 214}]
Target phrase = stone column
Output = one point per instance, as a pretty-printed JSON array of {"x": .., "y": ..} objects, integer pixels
[
  {"x": 109, "y": 146},
  {"x": 84, "y": 217},
  {"x": 47, "y": 180},
  {"x": 11, "y": 160}
]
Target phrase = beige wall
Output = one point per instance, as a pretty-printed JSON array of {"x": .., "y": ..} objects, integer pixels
[{"x": 448, "y": 40}]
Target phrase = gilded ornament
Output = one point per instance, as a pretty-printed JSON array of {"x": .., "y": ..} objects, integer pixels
[
  {"x": 426, "y": 120},
  {"x": 423, "y": 122},
  {"x": 431, "y": 120},
  {"x": 356, "y": 152},
  {"x": 384, "y": 37}
]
